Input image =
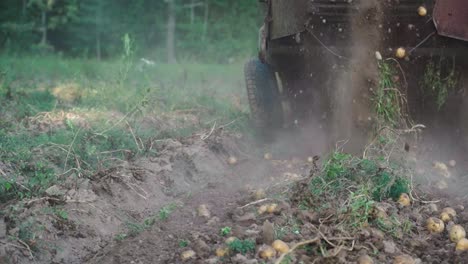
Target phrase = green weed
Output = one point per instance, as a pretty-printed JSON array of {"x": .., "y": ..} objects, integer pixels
[
  {"x": 242, "y": 246},
  {"x": 225, "y": 231},
  {"x": 183, "y": 243},
  {"x": 438, "y": 82}
]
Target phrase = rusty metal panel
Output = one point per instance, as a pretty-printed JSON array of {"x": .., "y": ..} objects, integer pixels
[
  {"x": 451, "y": 18},
  {"x": 288, "y": 17}
]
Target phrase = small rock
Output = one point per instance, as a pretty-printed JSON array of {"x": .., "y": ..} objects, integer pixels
[
  {"x": 187, "y": 255},
  {"x": 404, "y": 259},
  {"x": 213, "y": 260},
  {"x": 201, "y": 248},
  {"x": 268, "y": 233},
  {"x": 214, "y": 220},
  {"x": 389, "y": 247},
  {"x": 241, "y": 259},
  {"x": 246, "y": 217},
  {"x": 203, "y": 211},
  {"x": 377, "y": 234},
  {"x": 55, "y": 191}
]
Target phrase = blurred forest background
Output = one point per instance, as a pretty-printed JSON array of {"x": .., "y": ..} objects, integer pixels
[{"x": 215, "y": 31}]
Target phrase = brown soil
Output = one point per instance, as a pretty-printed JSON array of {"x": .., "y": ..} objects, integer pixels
[{"x": 192, "y": 172}]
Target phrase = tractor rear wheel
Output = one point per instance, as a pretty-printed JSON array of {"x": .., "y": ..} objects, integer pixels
[{"x": 264, "y": 97}]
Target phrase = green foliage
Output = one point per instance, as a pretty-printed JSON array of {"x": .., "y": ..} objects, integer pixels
[
  {"x": 360, "y": 207},
  {"x": 242, "y": 246},
  {"x": 438, "y": 81},
  {"x": 183, "y": 243},
  {"x": 225, "y": 231},
  {"x": 93, "y": 28},
  {"x": 166, "y": 211},
  {"x": 388, "y": 185},
  {"x": 387, "y": 98}
]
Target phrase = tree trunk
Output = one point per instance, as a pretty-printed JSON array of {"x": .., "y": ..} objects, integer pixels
[
  {"x": 205, "y": 22},
  {"x": 98, "y": 31},
  {"x": 44, "y": 27},
  {"x": 192, "y": 12},
  {"x": 171, "y": 28}
]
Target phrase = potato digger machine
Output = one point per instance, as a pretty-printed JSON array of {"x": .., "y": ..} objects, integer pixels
[{"x": 304, "y": 44}]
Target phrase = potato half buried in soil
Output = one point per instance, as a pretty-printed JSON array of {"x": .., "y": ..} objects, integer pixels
[
  {"x": 457, "y": 232},
  {"x": 365, "y": 259},
  {"x": 435, "y": 225},
  {"x": 280, "y": 246},
  {"x": 404, "y": 259},
  {"x": 404, "y": 200},
  {"x": 462, "y": 245},
  {"x": 266, "y": 252},
  {"x": 448, "y": 214}
]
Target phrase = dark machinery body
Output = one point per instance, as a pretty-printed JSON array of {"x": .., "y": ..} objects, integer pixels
[{"x": 308, "y": 42}]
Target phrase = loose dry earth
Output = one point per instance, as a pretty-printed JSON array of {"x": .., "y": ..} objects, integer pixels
[{"x": 172, "y": 208}]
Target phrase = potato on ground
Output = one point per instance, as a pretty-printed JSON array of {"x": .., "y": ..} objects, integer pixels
[
  {"x": 280, "y": 246},
  {"x": 457, "y": 232},
  {"x": 435, "y": 225},
  {"x": 266, "y": 252},
  {"x": 462, "y": 245}
]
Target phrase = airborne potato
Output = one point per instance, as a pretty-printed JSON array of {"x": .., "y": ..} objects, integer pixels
[
  {"x": 462, "y": 245},
  {"x": 400, "y": 53},
  {"x": 435, "y": 225},
  {"x": 457, "y": 232},
  {"x": 268, "y": 156},
  {"x": 232, "y": 160},
  {"x": 422, "y": 11},
  {"x": 280, "y": 246}
]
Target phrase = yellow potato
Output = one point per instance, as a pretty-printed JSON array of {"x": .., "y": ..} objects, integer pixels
[
  {"x": 222, "y": 252},
  {"x": 259, "y": 194},
  {"x": 435, "y": 225},
  {"x": 404, "y": 259},
  {"x": 448, "y": 214},
  {"x": 272, "y": 208},
  {"x": 229, "y": 240},
  {"x": 310, "y": 159},
  {"x": 280, "y": 246},
  {"x": 422, "y": 11},
  {"x": 268, "y": 156},
  {"x": 267, "y": 252},
  {"x": 400, "y": 53},
  {"x": 232, "y": 160},
  {"x": 404, "y": 200},
  {"x": 186, "y": 255},
  {"x": 262, "y": 209},
  {"x": 450, "y": 211},
  {"x": 365, "y": 259},
  {"x": 457, "y": 232},
  {"x": 462, "y": 245}
]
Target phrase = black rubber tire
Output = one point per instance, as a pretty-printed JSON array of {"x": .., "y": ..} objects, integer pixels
[{"x": 264, "y": 98}]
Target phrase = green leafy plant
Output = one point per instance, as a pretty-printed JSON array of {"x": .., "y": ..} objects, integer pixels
[
  {"x": 438, "y": 82},
  {"x": 388, "y": 100},
  {"x": 242, "y": 246},
  {"x": 225, "y": 231},
  {"x": 183, "y": 243}
]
